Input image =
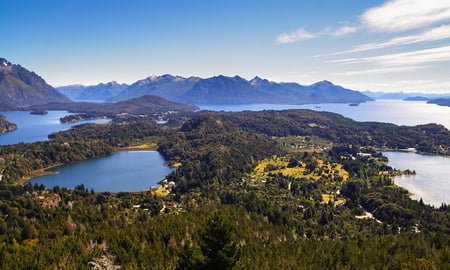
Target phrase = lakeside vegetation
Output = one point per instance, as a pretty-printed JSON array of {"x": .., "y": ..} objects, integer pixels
[{"x": 253, "y": 190}]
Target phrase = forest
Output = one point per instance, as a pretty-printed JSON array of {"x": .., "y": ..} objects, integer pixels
[{"x": 253, "y": 190}]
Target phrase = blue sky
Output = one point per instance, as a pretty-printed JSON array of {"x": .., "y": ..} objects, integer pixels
[{"x": 396, "y": 45}]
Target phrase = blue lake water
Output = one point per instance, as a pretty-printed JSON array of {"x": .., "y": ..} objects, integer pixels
[
  {"x": 125, "y": 171},
  {"x": 33, "y": 128},
  {"x": 432, "y": 179},
  {"x": 399, "y": 112}
]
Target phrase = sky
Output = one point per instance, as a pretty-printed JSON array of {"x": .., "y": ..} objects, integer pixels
[{"x": 390, "y": 45}]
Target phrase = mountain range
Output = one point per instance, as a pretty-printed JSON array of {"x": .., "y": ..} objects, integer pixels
[
  {"x": 20, "y": 88},
  {"x": 231, "y": 90},
  {"x": 102, "y": 91}
]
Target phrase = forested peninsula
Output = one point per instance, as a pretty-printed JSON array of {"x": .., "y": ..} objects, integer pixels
[{"x": 294, "y": 189}]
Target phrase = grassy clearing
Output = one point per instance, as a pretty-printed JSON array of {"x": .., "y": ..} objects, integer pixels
[
  {"x": 144, "y": 146},
  {"x": 280, "y": 165},
  {"x": 161, "y": 191}
]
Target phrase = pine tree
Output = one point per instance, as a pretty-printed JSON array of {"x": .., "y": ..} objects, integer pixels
[{"x": 217, "y": 244}]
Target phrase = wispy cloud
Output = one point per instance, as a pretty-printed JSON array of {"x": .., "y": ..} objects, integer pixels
[
  {"x": 403, "y": 15},
  {"x": 302, "y": 34},
  {"x": 393, "y": 16},
  {"x": 435, "y": 34},
  {"x": 299, "y": 34},
  {"x": 375, "y": 71},
  {"x": 344, "y": 30},
  {"x": 417, "y": 57}
]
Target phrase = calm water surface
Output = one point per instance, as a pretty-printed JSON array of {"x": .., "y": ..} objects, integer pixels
[
  {"x": 124, "y": 171},
  {"x": 399, "y": 112},
  {"x": 33, "y": 128},
  {"x": 432, "y": 179}
]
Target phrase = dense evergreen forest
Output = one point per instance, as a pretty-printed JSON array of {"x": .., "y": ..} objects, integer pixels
[{"x": 293, "y": 189}]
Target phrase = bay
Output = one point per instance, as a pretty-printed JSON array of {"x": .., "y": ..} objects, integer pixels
[
  {"x": 33, "y": 128},
  {"x": 432, "y": 179},
  {"x": 121, "y": 172}
]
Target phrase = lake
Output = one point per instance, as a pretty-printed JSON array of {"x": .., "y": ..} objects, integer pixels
[
  {"x": 399, "y": 112},
  {"x": 121, "y": 172},
  {"x": 428, "y": 184},
  {"x": 432, "y": 179},
  {"x": 33, "y": 128}
]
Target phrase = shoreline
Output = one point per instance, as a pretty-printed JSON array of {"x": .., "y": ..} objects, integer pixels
[{"x": 38, "y": 172}]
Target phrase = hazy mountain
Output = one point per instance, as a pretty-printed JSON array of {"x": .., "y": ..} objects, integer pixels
[
  {"x": 71, "y": 91},
  {"x": 416, "y": 98},
  {"x": 327, "y": 92},
  {"x": 226, "y": 90},
  {"x": 402, "y": 95},
  {"x": 20, "y": 88},
  {"x": 236, "y": 90},
  {"x": 441, "y": 101},
  {"x": 166, "y": 86},
  {"x": 102, "y": 91}
]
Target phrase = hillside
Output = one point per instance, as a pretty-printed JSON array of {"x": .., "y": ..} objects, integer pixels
[
  {"x": 236, "y": 90},
  {"x": 20, "y": 87},
  {"x": 144, "y": 105}
]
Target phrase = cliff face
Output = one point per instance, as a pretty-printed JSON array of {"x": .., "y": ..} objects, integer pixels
[
  {"x": 6, "y": 126},
  {"x": 20, "y": 88}
]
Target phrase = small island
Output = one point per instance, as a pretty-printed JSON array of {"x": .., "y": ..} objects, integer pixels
[
  {"x": 72, "y": 118},
  {"x": 416, "y": 98},
  {"x": 39, "y": 112}
]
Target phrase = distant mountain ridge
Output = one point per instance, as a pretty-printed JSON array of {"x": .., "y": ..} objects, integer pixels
[
  {"x": 440, "y": 101},
  {"x": 20, "y": 88},
  {"x": 101, "y": 91},
  {"x": 403, "y": 95},
  {"x": 166, "y": 86},
  {"x": 237, "y": 90}
]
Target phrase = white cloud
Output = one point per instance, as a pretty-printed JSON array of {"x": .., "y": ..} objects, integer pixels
[
  {"x": 438, "y": 33},
  {"x": 440, "y": 54},
  {"x": 299, "y": 34},
  {"x": 407, "y": 86},
  {"x": 375, "y": 71},
  {"x": 345, "y": 30},
  {"x": 403, "y": 15}
]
